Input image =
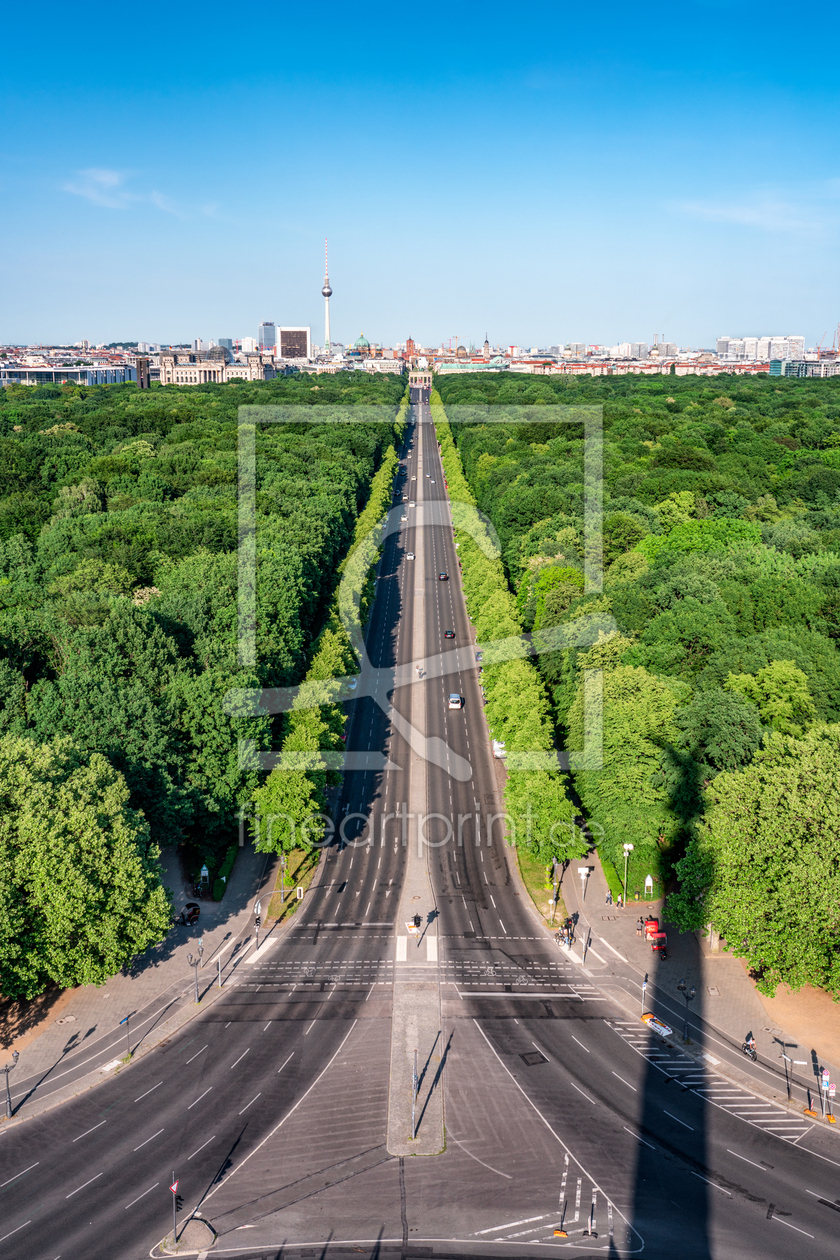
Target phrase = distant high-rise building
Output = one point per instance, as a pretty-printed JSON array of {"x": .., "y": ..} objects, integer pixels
[
  {"x": 267, "y": 335},
  {"x": 294, "y": 343},
  {"x": 227, "y": 342},
  {"x": 249, "y": 345}
]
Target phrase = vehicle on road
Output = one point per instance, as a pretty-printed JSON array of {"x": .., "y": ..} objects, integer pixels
[
  {"x": 748, "y": 1047},
  {"x": 403, "y": 517},
  {"x": 443, "y": 577},
  {"x": 449, "y": 634},
  {"x": 189, "y": 914},
  {"x": 410, "y": 555},
  {"x": 456, "y": 701}
]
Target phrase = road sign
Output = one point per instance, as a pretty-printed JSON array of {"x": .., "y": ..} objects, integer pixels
[
  {"x": 174, "y": 1187},
  {"x": 825, "y": 1076},
  {"x": 832, "y": 1087}
]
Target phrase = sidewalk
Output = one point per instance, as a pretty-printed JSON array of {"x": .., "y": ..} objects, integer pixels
[
  {"x": 85, "y": 1019},
  {"x": 727, "y": 1000}
]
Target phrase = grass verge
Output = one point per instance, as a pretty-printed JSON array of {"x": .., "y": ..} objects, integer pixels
[
  {"x": 536, "y": 880},
  {"x": 301, "y": 865}
]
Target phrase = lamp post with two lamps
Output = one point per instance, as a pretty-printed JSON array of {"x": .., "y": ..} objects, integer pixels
[
  {"x": 195, "y": 963},
  {"x": 689, "y": 995},
  {"x": 628, "y": 849},
  {"x": 7, "y": 1069}
]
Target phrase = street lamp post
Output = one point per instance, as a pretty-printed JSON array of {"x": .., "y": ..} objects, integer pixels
[
  {"x": 554, "y": 881},
  {"x": 644, "y": 993},
  {"x": 628, "y": 849},
  {"x": 257, "y": 921},
  {"x": 583, "y": 872},
  {"x": 688, "y": 994},
  {"x": 195, "y": 963},
  {"x": 7, "y": 1069},
  {"x": 282, "y": 882}
]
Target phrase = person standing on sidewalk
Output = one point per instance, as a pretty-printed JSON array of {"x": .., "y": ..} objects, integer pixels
[{"x": 608, "y": 900}]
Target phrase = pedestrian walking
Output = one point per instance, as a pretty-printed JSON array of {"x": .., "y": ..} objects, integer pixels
[
  {"x": 619, "y": 902},
  {"x": 609, "y": 898},
  {"x": 640, "y": 926}
]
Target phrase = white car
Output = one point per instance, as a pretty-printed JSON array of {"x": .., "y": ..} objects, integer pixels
[
  {"x": 410, "y": 555},
  {"x": 412, "y": 504},
  {"x": 456, "y": 701},
  {"x": 403, "y": 517}
]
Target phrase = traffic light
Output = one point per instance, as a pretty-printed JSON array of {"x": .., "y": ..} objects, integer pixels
[
  {"x": 417, "y": 920},
  {"x": 257, "y": 921},
  {"x": 179, "y": 1202}
]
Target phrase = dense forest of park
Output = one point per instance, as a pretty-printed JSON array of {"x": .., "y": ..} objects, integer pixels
[
  {"x": 721, "y": 675},
  {"x": 118, "y": 584}
]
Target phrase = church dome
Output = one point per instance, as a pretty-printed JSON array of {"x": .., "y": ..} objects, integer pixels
[{"x": 362, "y": 343}]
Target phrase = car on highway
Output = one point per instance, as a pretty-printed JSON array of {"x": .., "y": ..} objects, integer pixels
[
  {"x": 410, "y": 555},
  {"x": 403, "y": 517},
  {"x": 449, "y": 634},
  {"x": 443, "y": 577},
  {"x": 456, "y": 701},
  {"x": 412, "y": 504}
]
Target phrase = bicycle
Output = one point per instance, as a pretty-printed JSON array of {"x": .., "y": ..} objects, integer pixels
[{"x": 749, "y": 1050}]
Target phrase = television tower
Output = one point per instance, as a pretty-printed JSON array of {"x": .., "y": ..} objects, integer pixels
[{"x": 327, "y": 292}]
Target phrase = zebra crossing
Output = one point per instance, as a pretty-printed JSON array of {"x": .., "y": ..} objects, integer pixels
[{"x": 700, "y": 1079}]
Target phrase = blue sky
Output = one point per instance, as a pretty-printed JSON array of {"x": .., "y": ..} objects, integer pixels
[{"x": 540, "y": 175}]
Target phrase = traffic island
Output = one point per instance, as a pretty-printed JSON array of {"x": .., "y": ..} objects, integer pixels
[{"x": 197, "y": 1235}]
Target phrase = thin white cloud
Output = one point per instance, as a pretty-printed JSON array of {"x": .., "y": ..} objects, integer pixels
[
  {"x": 102, "y": 187},
  {"x": 764, "y": 211}
]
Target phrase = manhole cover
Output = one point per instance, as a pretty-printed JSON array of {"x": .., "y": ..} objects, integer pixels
[
  {"x": 66, "y": 1019},
  {"x": 533, "y": 1057}
]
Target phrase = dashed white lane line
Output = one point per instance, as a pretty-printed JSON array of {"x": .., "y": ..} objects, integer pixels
[
  {"x": 247, "y": 1105},
  {"x": 15, "y": 1231},
  {"x": 148, "y": 1091},
  {"x": 510, "y": 1225},
  {"x": 78, "y": 1188},
  {"x": 201, "y": 1148},
  {"x": 682, "y": 1122},
  {"x": 627, "y": 1083},
  {"x": 239, "y": 1060},
  {"x": 580, "y": 1091},
  {"x": 143, "y": 1195},
  {"x": 20, "y": 1174},
  {"x": 636, "y": 1136},
  {"x": 198, "y": 1100},
  {"x": 580, "y": 1043},
  {"x": 149, "y": 1139},
  {"x": 96, "y": 1126}
]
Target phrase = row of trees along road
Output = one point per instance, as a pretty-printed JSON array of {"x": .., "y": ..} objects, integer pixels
[
  {"x": 118, "y": 640},
  {"x": 721, "y": 537}
]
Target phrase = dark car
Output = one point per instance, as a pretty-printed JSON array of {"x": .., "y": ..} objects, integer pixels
[
  {"x": 443, "y": 577},
  {"x": 189, "y": 914},
  {"x": 449, "y": 634}
]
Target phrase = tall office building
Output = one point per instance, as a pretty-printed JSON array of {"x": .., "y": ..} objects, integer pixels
[
  {"x": 327, "y": 294},
  {"x": 267, "y": 336},
  {"x": 227, "y": 342}
]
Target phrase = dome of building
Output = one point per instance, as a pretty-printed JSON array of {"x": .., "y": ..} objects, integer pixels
[{"x": 362, "y": 343}]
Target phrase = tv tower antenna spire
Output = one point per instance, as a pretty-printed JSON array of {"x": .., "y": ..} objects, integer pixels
[{"x": 327, "y": 293}]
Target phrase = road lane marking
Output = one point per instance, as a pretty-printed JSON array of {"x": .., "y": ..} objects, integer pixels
[
  {"x": 87, "y": 1131},
  {"x": 142, "y": 1196},
  {"x": 198, "y": 1052},
  {"x": 201, "y": 1148},
  {"x": 309, "y": 1029},
  {"x": 580, "y": 1043},
  {"x": 78, "y": 1188},
  {"x": 268, "y": 1025},
  {"x": 148, "y": 1091},
  {"x": 627, "y": 1083},
  {"x": 431, "y": 949},
  {"x": 580, "y": 1091},
  {"x": 615, "y": 951},
  {"x": 706, "y": 1179},
  {"x": 149, "y": 1139},
  {"x": 239, "y": 1060},
  {"x": 402, "y": 948},
  {"x": 796, "y": 1227},
  {"x": 20, "y": 1174},
  {"x": 510, "y": 1224},
  {"x": 682, "y": 1122},
  {"x": 15, "y": 1231},
  {"x": 636, "y": 1136},
  {"x": 247, "y": 1105},
  {"x": 198, "y": 1100},
  {"x": 746, "y": 1161}
]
